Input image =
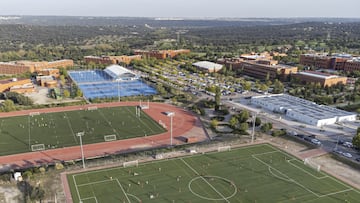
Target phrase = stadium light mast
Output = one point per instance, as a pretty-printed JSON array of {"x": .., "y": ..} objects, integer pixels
[
  {"x": 253, "y": 127},
  {"x": 171, "y": 115},
  {"x": 118, "y": 89},
  {"x": 80, "y": 134}
]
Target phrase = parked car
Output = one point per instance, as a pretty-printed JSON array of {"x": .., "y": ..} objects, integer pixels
[
  {"x": 347, "y": 144},
  {"x": 338, "y": 152},
  {"x": 346, "y": 154},
  {"x": 358, "y": 159},
  {"x": 316, "y": 141},
  {"x": 308, "y": 139}
]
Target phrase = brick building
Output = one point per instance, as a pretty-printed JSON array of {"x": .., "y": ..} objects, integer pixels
[
  {"x": 323, "y": 79},
  {"x": 19, "y": 67},
  {"x": 108, "y": 60},
  {"x": 258, "y": 70},
  {"x": 337, "y": 61},
  {"x": 8, "y": 84},
  {"x": 162, "y": 54}
]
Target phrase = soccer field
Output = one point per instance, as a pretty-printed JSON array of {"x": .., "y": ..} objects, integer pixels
[
  {"x": 259, "y": 173},
  {"x": 56, "y": 130}
]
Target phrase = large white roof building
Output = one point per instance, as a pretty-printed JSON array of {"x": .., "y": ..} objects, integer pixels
[
  {"x": 302, "y": 110},
  {"x": 208, "y": 66},
  {"x": 120, "y": 73}
]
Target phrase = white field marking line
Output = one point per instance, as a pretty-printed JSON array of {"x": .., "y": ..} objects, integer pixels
[
  {"x": 89, "y": 198},
  {"x": 110, "y": 124},
  {"x": 272, "y": 173},
  {"x": 93, "y": 183},
  {"x": 292, "y": 180},
  {"x": 204, "y": 180},
  {"x": 123, "y": 190},
  {"x": 187, "y": 173},
  {"x": 335, "y": 179},
  {"x": 333, "y": 193},
  {"x": 76, "y": 187},
  {"x": 141, "y": 121},
  {"x": 72, "y": 131},
  {"x": 264, "y": 153},
  {"x": 131, "y": 195},
  {"x": 319, "y": 178}
]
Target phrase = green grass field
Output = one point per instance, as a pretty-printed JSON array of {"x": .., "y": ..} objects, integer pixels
[
  {"x": 56, "y": 130},
  {"x": 259, "y": 173}
]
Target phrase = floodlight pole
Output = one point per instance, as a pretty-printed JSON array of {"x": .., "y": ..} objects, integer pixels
[
  {"x": 118, "y": 90},
  {"x": 80, "y": 134},
  {"x": 171, "y": 114},
  {"x": 253, "y": 129}
]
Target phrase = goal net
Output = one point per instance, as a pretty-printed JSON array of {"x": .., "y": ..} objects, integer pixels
[
  {"x": 109, "y": 138},
  {"x": 92, "y": 108},
  {"x": 34, "y": 113},
  {"x": 224, "y": 148},
  {"x": 37, "y": 147},
  {"x": 313, "y": 165},
  {"x": 131, "y": 163}
]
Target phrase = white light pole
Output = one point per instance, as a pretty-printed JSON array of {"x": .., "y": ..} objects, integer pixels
[
  {"x": 80, "y": 134},
  {"x": 253, "y": 129},
  {"x": 118, "y": 89},
  {"x": 171, "y": 115}
]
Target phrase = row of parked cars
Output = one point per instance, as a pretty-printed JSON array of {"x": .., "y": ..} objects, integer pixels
[{"x": 310, "y": 138}]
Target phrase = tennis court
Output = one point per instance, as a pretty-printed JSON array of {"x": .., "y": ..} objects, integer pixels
[
  {"x": 258, "y": 173},
  {"x": 98, "y": 84}
]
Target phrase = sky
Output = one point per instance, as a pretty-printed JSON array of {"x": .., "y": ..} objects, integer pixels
[{"x": 184, "y": 8}]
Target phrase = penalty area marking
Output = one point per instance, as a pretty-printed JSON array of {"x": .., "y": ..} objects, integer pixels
[{"x": 213, "y": 199}]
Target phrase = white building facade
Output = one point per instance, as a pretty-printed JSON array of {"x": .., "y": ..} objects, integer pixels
[{"x": 302, "y": 110}]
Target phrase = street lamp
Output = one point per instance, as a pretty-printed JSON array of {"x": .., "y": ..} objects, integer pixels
[
  {"x": 80, "y": 134},
  {"x": 171, "y": 115}
]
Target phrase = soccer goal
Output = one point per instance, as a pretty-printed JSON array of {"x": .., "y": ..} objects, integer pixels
[
  {"x": 313, "y": 165},
  {"x": 224, "y": 148},
  {"x": 130, "y": 163},
  {"x": 37, "y": 147},
  {"x": 109, "y": 138},
  {"x": 92, "y": 108},
  {"x": 34, "y": 113}
]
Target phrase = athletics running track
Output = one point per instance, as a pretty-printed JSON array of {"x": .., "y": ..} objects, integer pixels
[{"x": 185, "y": 124}]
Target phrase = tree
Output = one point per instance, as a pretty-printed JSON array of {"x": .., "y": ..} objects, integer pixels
[
  {"x": 266, "y": 127},
  {"x": 356, "y": 140},
  {"x": 66, "y": 93},
  {"x": 257, "y": 121},
  {"x": 244, "y": 127},
  {"x": 8, "y": 105},
  {"x": 233, "y": 122},
  {"x": 278, "y": 87},
  {"x": 243, "y": 116},
  {"x": 247, "y": 85},
  {"x": 214, "y": 123},
  {"x": 217, "y": 98}
]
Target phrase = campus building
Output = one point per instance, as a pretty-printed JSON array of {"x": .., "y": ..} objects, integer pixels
[
  {"x": 19, "y": 67},
  {"x": 108, "y": 60},
  {"x": 208, "y": 67},
  {"x": 16, "y": 85},
  {"x": 259, "y": 70},
  {"x": 161, "y": 54},
  {"x": 302, "y": 110},
  {"x": 323, "y": 79},
  {"x": 336, "y": 61}
]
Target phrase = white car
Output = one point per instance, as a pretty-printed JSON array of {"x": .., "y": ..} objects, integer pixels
[
  {"x": 346, "y": 154},
  {"x": 348, "y": 144},
  {"x": 316, "y": 141}
]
